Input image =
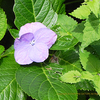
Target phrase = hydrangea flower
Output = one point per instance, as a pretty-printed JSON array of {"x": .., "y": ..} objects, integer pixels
[{"x": 33, "y": 44}]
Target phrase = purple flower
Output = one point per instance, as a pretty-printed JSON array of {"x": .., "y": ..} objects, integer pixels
[{"x": 33, "y": 43}]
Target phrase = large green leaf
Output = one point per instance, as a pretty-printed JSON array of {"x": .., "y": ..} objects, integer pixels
[
  {"x": 91, "y": 30},
  {"x": 3, "y": 23},
  {"x": 90, "y": 62},
  {"x": 35, "y": 81},
  {"x": 9, "y": 89},
  {"x": 27, "y": 11}
]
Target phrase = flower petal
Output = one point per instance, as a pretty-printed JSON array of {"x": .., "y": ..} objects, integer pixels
[
  {"x": 39, "y": 52},
  {"x": 46, "y": 36},
  {"x": 30, "y": 28},
  {"x": 16, "y": 43},
  {"x": 26, "y": 38},
  {"x": 21, "y": 54}
]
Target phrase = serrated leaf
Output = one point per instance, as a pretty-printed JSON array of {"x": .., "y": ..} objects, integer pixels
[
  {"x": 85, "y": 85},
  {"x": 91, "y": 30},
  {"x": 86, "y": 75},
  {"x": 94, "y": 6},
  {"x": 71, "y": 77},
  {"x": 27, "y": 11},
  {"x": 35, "y": 82},
  {"x": 90, "y": 62},
  {"x": 65, "y": 40},
  {"x": 82, "y": 12},
  {"x": 96, "y": 82},
  {"x": 78, "y": 31},
  {"x": 9, "y": 89},
  {"x": 14, "y": 33},
  {"x": 3, "y": 23}
]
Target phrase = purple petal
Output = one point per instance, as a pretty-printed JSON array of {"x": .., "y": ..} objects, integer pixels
[
  {"x": 26, "y": 38},
  {"x": 16, "y": 43},
  {"x": 30, "y": 28},
  {"x": 39, "y": 52},
  {"x": 21, "y": 54},
  {"x": 46, "y": 36}
]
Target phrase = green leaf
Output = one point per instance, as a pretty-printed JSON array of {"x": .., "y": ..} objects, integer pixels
[
  {"x": 94, "y": 6},
  {"x": 1, "y": 49},
  {"x": 68, "y": 60},
  {"x": 71, "y": 77},
  {"x": 3, "y": 23},
  {"x": 58, "y": 6},
  {"x": 64, "y": 43},
  {"x": 9, "y": 89},
  {"x": 91, "y": 30},
  {"x": 86, "y": 75},
  {"x": 54, "y": 69},
  {"x": 67, "y": 24},
  {"x": 35, "y": 82},
  {"x": 9, "y": 51},
  {"x": 14, "y": 33},
  {"x": 90, "y": 62},
  {"x": 27, "y": 11},
  {"x": 85, "y": 85},
  {"x": 96, "y": 82},
  {"x": 78, "y": 31},
  {"x": 82, "y": 12},
  {"x": 96, "y": 46},
  {"x": 65, "y": 40}
]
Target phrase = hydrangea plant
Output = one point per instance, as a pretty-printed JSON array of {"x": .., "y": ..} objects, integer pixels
[{"x": 49, "y": 49}]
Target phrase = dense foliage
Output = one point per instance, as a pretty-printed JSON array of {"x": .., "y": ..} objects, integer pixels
[{"x": 72, "y": 70}]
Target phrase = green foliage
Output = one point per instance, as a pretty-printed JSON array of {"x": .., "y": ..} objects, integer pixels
[
  {"x": 91, "y": 30},
  {"x": 1, "y": 50},
  {"x": 39, "y": 86},
  {"x": 9, "y": 89},
  {"x": 90, "y": 62},
  {"x": 3, "y": 23},
  {"x": 73, "y": 65},
  {"x": 82, "y": 12},
  {"x": 27, "y": 11},
  {"x": 58, "y": 6},
  {"x": 14, "y": 33},
  {"x": 71, "y": 77},
  {"x": 94, "y": 6},
  {"x": 65, "y": 39}
]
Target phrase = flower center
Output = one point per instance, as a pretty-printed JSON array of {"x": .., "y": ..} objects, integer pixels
[{"x": 32, "y": 42}]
